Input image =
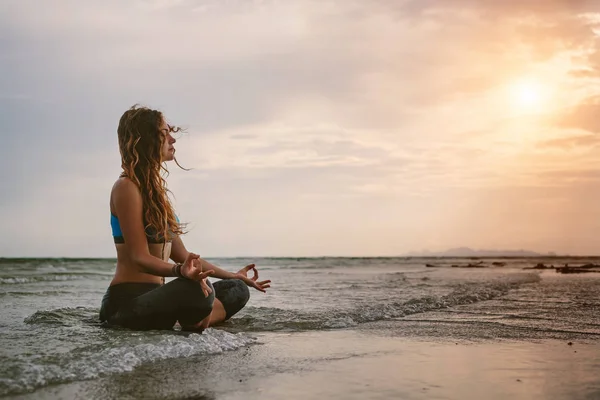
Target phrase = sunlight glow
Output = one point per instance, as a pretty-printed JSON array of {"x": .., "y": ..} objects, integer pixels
[{"x": 527, "y": 95}]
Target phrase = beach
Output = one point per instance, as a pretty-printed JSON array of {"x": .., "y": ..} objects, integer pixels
[
  {"x": 358, "y": 365},
  {"x": 330, "y": 328}
]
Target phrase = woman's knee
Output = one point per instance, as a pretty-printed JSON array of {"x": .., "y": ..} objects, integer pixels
[
  {"x": 196, "y": 307},
  {"x": 233, "y": 293},
  {"x": 190, "y": 297},
  {"x": 243, "y": 290}
]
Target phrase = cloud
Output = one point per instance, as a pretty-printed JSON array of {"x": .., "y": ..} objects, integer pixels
[
  {"x": 583, "y": 116},
  {"x": 509, "y": 7},
  {"x": 587, "y": 142}
]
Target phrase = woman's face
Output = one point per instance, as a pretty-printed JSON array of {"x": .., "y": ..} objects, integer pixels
[{"x": 167, "y": 150}]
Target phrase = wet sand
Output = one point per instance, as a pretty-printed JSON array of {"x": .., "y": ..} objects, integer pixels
[{"x": 360, "y": 364}]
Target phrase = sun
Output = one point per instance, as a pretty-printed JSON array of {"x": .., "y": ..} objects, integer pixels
[{"x": 527, "y": 95}]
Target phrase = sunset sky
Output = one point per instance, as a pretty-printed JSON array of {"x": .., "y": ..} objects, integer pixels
[{"x": 346, "y": 128}]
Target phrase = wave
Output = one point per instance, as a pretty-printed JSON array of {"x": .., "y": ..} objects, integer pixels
[
  {"x": 303, "y": 267},
  {"x": 42, "y": 293},
  {"x": 589, "y": 332},
  {"x": 55, "y": 277},
  {"x": 276, "y": 319},
  {"x": 67, "y": 316},
  {"x": 27, "y": 375}
]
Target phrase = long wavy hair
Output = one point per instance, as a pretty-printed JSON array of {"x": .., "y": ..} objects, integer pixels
[{"x": 140, "y": 144}]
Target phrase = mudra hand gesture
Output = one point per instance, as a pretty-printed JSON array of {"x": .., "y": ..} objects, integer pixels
[
  {"x": 253, "y": 282},
  {"x": 192, "y": 269}
]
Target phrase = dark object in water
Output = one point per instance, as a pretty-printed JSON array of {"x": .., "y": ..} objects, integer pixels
[
  {"x": 578, "y": 270},
  {"x": 540, "y": 266},
  {"x": 471, "y": 265}
]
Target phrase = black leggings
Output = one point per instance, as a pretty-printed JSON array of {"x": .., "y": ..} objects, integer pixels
[{"x": 144, "y": 306}]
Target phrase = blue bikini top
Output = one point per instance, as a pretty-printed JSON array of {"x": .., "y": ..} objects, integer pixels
[{"x": 151, "y": 233}]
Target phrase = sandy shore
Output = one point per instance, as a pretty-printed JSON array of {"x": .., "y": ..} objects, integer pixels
[{"x": 355, "y": 364}]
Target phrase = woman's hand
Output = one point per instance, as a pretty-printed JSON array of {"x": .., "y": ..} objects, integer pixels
[
  {"x": 192, "y": 269},
  {"x": 253, "y": 282}
]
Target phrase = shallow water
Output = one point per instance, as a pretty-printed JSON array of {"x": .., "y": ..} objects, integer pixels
[{"x": 50, "y": 333}]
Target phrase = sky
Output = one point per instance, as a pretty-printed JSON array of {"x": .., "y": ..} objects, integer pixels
[{"x": 313, "y": 128}]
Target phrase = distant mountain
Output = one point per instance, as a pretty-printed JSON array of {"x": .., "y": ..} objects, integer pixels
[{"x": 468, "y": 252}]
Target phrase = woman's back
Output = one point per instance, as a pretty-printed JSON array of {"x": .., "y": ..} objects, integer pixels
[{"x": 125, "y": 191}]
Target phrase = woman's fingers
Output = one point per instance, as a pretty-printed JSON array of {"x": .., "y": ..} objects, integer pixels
[
  {"x": 188, "y": 265},
  {"x": 255, "y": 276},
  {"x": 205, "y": 288},
  {"x": 262, "y": 286},
  {"x": 265, "y": 284},
  {"x": 191, "y": 256},
  {"x": 257, "y": 287},
  {"x": 198, "y": 263},
  {"x": 206, "y": 274},
  {"x": 248, "y": 268}
]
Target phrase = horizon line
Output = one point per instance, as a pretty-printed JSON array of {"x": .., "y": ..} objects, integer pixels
[{"x": 557, "y": 255}]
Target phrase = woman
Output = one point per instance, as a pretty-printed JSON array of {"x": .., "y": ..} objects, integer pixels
[{"x": 147, "y": 233}]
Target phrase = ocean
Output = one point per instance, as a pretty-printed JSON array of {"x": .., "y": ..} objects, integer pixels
[{"x": 321, "y": 316}]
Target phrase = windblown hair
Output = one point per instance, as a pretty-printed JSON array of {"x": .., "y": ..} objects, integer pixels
[{"x": 140, "y": 144}]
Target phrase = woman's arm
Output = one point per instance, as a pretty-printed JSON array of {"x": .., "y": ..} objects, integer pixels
[
  {"x": 179, "y": 252},
  {"x": 127, "y": 203}
]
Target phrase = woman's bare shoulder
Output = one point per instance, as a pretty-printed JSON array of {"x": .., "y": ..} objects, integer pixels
[
  {"x": 124, "y": 184},
  {"x": 124, "y": 188}
]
